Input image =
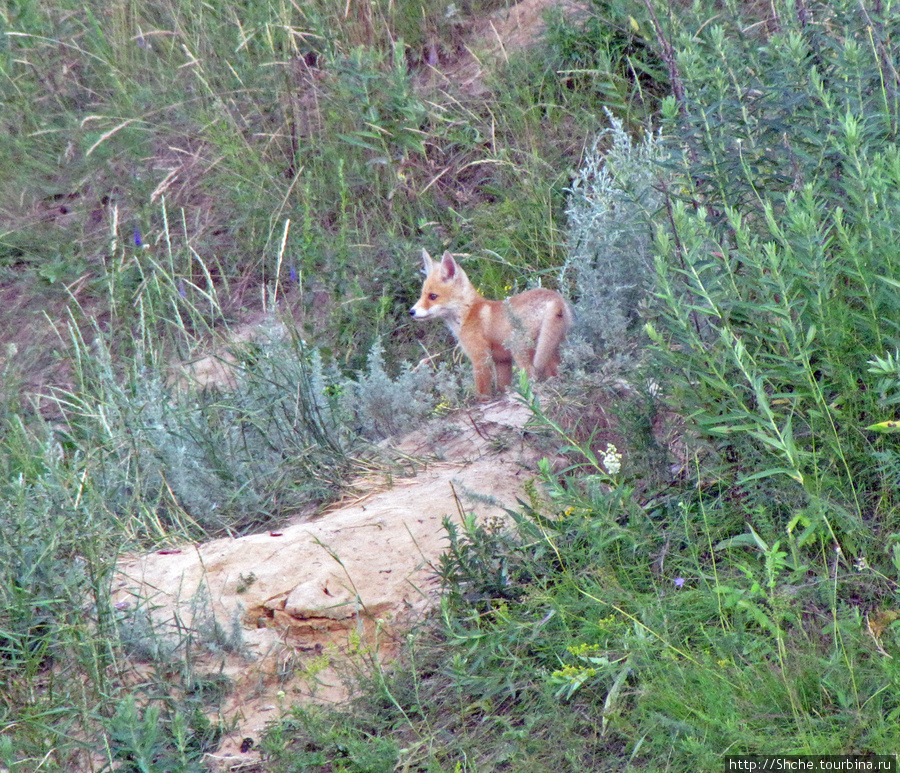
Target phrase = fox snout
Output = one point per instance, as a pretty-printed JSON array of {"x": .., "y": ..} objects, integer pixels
[{"x": 426, "y": 306}]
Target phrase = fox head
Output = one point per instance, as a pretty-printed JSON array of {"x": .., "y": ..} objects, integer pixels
[{"x": 445, "y": 291}]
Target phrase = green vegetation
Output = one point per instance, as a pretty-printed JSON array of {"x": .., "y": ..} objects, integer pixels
[{"x": 715, "y": 572}]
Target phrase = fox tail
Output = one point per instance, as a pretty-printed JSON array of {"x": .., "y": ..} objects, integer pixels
[{"x": 557, "y": 319}]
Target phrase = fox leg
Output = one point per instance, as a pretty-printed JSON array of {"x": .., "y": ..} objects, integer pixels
[
  {"x": 524, "y": 359},
  {"x": 552, "y": 367},
  {"x": 484, "y": 374},
  {"x": 504, "y": 373},
  {"x": 546, "y": 357}
]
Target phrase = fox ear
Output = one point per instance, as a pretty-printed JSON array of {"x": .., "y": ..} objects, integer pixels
[
  {"x": 448, "y": 266},
  {"x": 427, "y": 263}
]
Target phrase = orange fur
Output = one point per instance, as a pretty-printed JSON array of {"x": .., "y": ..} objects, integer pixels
[{"x": 526, "y": 329}]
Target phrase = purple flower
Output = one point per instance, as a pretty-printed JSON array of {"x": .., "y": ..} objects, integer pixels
[
  {"x": 181, "y": 291},
  {"x": 293, "y": 273},
  {"x": 137, "y": 237},
  {"x": 679, "y": 582}
]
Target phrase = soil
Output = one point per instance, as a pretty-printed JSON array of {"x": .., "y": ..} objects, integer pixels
[{"x": 321, "y": 599}]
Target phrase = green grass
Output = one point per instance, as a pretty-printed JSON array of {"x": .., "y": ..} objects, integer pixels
[
  {"x": 713, "y": 572},
  {"x": 280, "y": 152}
]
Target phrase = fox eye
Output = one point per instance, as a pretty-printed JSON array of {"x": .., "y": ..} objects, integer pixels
[{"x": 432, "y": 296}]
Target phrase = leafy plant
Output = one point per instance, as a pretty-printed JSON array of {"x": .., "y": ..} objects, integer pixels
[
  {"x": 609, "y": 48},
  {"x": 377, "y": 406},
  {"x": 775, "y": 280},
  {"x": 613, "y": 199},
  {"x": 154, "y": 740}
]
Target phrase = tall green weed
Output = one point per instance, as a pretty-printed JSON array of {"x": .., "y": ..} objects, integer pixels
[{"x": 776, "y": 266}]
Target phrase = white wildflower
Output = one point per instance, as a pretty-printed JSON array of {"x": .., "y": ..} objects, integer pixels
[{"x": 612, "y": 460}]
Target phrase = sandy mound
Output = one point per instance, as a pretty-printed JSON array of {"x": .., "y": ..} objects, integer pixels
[{"x": 295, "y": 608}]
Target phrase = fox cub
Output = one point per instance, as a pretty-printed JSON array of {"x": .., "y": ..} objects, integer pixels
[{"x": 526, "y": 329}]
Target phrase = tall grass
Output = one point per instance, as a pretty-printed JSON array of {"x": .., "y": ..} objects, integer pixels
[
  {"x": 292, "y": 145},
  {"x": 776, "y": 269},
  {"x": 746, "y": 604}
]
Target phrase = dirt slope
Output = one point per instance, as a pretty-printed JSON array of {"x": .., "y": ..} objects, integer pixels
[{"x": 322, "y": 595}]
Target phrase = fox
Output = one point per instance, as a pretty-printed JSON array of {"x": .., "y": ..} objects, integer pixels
[{"x": 526, "y": 329}]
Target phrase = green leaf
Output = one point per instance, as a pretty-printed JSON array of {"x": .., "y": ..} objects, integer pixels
[
  {"x": 885, "y": 427},
  {"x": 772, "y": 472}
]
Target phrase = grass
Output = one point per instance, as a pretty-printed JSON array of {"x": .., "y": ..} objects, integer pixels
[
  {"x": 713, "y": 572},
  {"x": 745, "y": 605},
  {"x": 283, "y": 152}
]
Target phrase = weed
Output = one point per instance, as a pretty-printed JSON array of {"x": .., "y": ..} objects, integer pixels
[
  {"x": 156, "y": 738},
  {"x": 773, "y": 286},
  {"x": 608, "y": 50},
  {"x": 613, "y": 199},
  {"x": 378, "y": 406}
]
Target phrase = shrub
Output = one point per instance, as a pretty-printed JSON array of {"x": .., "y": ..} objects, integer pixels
[
  {"x": 777, "y": 269},
  {"x": 376, "y": 406},
  {"x": 211, "y": 460},
  {"x": 611, "y": 204}
]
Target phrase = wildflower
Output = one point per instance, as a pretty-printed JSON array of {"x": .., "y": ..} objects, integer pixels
[
  {"x": 861, "y": 564},
  {"x": 293, "y": 273},
  {"x": 679, "y": 582},
  {"x": 137, "y": 237},
  {"x": 612, "y": 460}
]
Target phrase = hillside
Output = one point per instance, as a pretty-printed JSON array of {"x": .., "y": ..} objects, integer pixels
[
  {"x": 348, "y": 585},
  {"x": 214, "y": 548}
]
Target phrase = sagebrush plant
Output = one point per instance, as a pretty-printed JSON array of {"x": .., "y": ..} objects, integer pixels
[
  {"x": 57, "y": 633},
  {"x": 613, "y": 198},
  {"x": 377, "y": 406},
  {"x": 206, "y": 463}
]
